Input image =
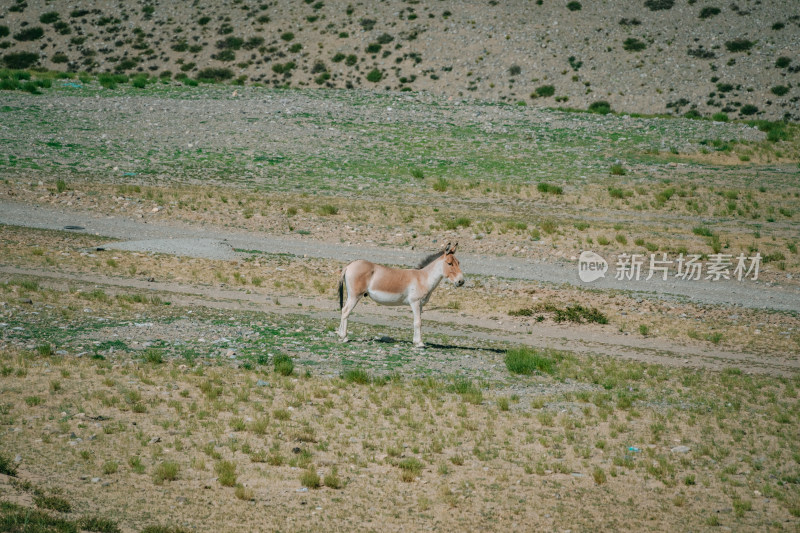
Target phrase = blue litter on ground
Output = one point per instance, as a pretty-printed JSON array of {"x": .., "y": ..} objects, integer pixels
[{"x": 72, "y": 84}]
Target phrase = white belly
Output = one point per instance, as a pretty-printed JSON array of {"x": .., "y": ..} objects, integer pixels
[{"x": 388, "y": 298}]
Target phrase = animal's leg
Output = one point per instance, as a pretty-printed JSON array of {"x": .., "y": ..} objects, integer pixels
[
  {"x": 351, "y": 302},
  {"x": 416, "y": 308}
]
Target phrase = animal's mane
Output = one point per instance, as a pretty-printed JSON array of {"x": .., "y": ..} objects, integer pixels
[{"x": 429, "y": 259}]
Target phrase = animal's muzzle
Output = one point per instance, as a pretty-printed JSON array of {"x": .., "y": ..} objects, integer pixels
[{"x": 460, "y": 282}]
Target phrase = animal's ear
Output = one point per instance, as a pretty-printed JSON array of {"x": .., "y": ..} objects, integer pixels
[
  {"x": 453, "y": 249},
  {"x": 447, "y": 249}
]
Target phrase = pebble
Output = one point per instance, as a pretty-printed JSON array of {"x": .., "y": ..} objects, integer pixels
[{"x": 681, "y": 449}]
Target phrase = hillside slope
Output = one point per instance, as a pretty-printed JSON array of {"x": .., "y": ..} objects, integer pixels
[{"x": 648, "y": 56}]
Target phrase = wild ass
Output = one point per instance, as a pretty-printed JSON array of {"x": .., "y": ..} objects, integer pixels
[{"x": 397, "y": 286}]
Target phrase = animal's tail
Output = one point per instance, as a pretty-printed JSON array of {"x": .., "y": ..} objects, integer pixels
[{"x": 341, "y": 290}]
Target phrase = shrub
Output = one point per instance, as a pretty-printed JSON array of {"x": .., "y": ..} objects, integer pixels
[
  {"x": 226, "y": 473},
  {"x": 373, "y": 48},
  {"x": 20, "y": 60},
  {"x": 574, "y": 6},
  {"x": 417, "y": 173},
  {"x": 356, "y": 375},
  {"x": 709, "y": 11},
  {"x": 49, "y": 17},
  {"x": 30, "y": 34},
  {"x": 547, "y": 188},
  {"x": 283, "y": 364},
  {"x": 287, "y": 36},
  {"x": 526, "y": 361},
  {"x": 140, "y": 82},
  {"x": 225, "y": 55},
  {"x": 779, "y": 90},
  {"x": 332, "y": 479},
  {"x": 782, "y": 62},
  {"x": 59, "y": 57},
  {"x": 632, "y": 44},
  {"x": 701, "y": 231},
  {"x": 4, "y": 31},
  {"x": 441, "y": 185},
  {"x": 544, "y": 91},
  {"x": 659, "y": 5},
  {"x": 166, "y": 471},
  {"x": 720, "y": 117},
  {"x": 309, "y": 478},
  {"x": 230, "y": 43},
  {"x": 385, "y": 38},
  {"x": 215, "y": 74},
  {"x": 600, "y": 106},
  {"x": 7, "y": 466},
  {"x": 338, "y": 58},
  {"x": 374, "y": 75},
  {"x": 56, "y": 503},
  {"x": 748, "y": 109},
  {"x": 739, "y": 45},
  {"x": 351, "y": 60},
  {"x": 617, "y": 170}
]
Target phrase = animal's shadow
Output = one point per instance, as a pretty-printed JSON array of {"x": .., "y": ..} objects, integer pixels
[{"x": 391, "y": 340}]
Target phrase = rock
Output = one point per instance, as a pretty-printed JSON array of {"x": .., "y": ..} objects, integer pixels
[
  {"x": 95, "y": 480},
  {"x": 17, "y": 459},
  {"x": 681, "y": 449},
  {"x": 262, "y": 383}
]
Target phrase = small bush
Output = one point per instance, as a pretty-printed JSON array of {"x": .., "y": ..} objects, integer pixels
[
  {"x": 574, "y": 6},
  {"x": 779, "y": 90},
  {"x": 659, "y": 5},
  {"x": 287, "y": 36},
  {"x": 739, "y": 45},
  {"x": 30, "y": 34},
  {"x": 166, "y": 471},
  {"x": 7, "y": 466},
  {"x": 338, "y": 57},
  {"x": 709, "y": 11},
  {"x": 548, "y": 188},
  {"x": 154, "y": 356},
  {"x": 309, "y": 478},
  {"x": 283, "y": 364},
  {"x": 601, "y": 106},
  {"x": 20, "y": 60},
  {"x": 98, "y": 524},
  {"x": 748, "y": 109},
  {"x": 373, "y": 48},
  {"x": 545, "y": 91},
  {"x": 515, "y": 70},
  {"x": 617, "y": 170},
  {"x": 374, "y": 76},
  {"x": 702, "y": 231},
  {"x": 226, "y": 473},
  {"x": 441, "y": 185},
  {"x": 783, "y": 62},
  {"x": 632, "y": 44},
  {"x": 215, "y": 74},
  {"x": 332, "y": 479},
  {"x": 328, "y": 209},
  {"x": 720, "y": 117},
  {"x": 55, "y": 503},
  {"x": 527, "y": 361},
  {"x": 49, "y": 17}
]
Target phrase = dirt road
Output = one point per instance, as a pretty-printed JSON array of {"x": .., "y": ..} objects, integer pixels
[{"x": 157, "y": 235}]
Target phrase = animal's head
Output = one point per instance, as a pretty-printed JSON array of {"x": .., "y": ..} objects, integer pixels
[{"x": 452, "y": 270}]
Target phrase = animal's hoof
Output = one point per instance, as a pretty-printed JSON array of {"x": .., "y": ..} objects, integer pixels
[
  {"x": 419, "y": 345},
  {"x": 344, "y": 339}
]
